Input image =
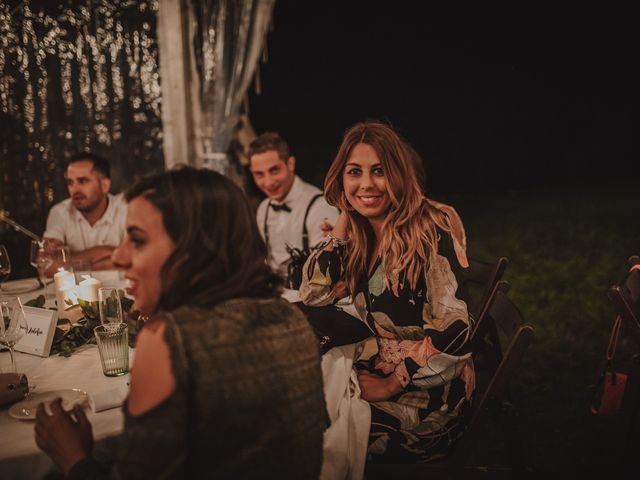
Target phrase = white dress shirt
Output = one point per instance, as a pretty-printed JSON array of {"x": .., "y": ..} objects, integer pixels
[
  {"x": 286, "y": 227},
  {"x": 67, "y": 224}
]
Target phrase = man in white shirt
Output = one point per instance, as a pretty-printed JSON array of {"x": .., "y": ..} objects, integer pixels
[
  {"x": 281, "y": 216},
  {"x": 92, "y": 221}
]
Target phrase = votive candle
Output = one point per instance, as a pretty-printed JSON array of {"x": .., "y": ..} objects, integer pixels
[{"x": 88, "y": 288}]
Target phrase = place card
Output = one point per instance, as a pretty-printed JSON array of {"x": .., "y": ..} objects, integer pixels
[{"x": 42, "y": 327}]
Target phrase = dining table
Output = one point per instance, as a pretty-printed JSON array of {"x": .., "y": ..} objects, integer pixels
[
  {"x": 20, "y": 457},
  {"x": 345, "y": 441}
]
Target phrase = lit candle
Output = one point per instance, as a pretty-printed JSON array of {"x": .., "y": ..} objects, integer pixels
[
  {"x": 88, "y": 288},
  {"x": 64, "y": 279},
  {"x": 64, "y": 294}
]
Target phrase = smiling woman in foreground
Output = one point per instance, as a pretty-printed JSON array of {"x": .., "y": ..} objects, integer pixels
[
  {"x": 227, "y": 380},
  {"x": 393, "y": 251}
]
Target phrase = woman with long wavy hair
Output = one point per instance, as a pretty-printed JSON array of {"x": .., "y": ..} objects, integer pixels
[{"x": 392, "y": 250}]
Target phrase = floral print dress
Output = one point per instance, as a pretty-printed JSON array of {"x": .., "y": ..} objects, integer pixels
[{"x": 422, "y": 337}]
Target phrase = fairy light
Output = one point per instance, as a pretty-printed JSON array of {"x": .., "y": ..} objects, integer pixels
[{"x": 82, "y": 73}]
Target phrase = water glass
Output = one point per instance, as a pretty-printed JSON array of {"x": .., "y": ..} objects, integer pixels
[
  {"x": 13, "y": 324},
  {"x": 109, "y": 305},
  {"x": 113, "y": 345},
  {"x": 81, "y": 267},
  {"x": 5, "y": 264},
  {"x": 42, "y": 259},
  {"x": 61, "y": 256}
]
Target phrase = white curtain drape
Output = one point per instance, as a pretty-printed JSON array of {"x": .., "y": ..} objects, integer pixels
[{"x": 228, "y": 38}]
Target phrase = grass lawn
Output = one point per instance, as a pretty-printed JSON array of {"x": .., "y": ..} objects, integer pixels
[{"x": 565, "y": 249}]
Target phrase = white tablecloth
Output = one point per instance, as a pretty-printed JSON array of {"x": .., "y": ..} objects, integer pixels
[
  {"x": 20, "y": 457},
  {"x": 345, "y": 441}
]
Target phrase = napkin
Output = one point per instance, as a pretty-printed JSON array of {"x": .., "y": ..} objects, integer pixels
[{"x": 109, "y": 398}]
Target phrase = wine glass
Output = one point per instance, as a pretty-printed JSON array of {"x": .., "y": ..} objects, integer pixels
[
  {"x": 42, "y": 259},
  {"x": 5, "y": 264},
  {"x": 110, "y": 306},
  {"x": 13, "y": 324}
]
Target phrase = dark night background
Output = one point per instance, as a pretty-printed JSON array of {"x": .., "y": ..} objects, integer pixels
[{"x": 492, "y": 100}]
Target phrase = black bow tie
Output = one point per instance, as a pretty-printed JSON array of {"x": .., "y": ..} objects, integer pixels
[{"x": 280, "y": 207}]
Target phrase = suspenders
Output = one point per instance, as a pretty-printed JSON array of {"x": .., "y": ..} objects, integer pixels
[{"x": 305, "y": 233}]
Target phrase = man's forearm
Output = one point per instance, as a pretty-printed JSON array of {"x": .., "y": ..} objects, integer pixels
[{"x": 99, "y": 257}]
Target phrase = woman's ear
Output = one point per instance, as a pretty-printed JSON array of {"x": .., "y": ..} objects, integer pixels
[{"x": 105, "y": 184}]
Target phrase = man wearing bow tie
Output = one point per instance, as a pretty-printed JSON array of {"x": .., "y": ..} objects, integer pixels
[{"x": 281, "y": 216}]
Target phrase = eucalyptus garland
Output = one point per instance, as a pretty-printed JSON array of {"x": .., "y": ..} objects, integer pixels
[{"x": 70, "y": 335}]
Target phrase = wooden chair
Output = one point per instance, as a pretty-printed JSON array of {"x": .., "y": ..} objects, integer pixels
[
  {"x": 625, "y": 298},
  {"x": 484, "y": 336},
  {"x": 492, "y": 403},
  {"x": 484, "y": 275}
]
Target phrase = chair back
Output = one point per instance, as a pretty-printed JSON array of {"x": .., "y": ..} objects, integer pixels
[
  {"x": 503, "y": 320},
  {"x": 485, "y": 275},
  {"x": 626, "y": 299},
  {"x": 485, "y": 337}
]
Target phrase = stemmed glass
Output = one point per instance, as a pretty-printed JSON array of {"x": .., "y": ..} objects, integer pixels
[
  {"x": 42, "y": 259},
  {"x": 110, "y": 306},
  {"x": 5, "y": 264},
  {"x": 13, "y": 324}
]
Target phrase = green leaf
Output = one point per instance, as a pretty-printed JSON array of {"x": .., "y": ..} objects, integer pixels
[{"x": 36, "y": 302}]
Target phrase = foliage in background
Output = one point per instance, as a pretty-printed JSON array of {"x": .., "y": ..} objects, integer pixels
[{"x": 565, "y": 249}]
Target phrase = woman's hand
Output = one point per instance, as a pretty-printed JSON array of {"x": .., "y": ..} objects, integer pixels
[
  {"x": 65, "y": 439},
  {"x": 325, "y": 227},
  {"x": 377, "y": 389},
  {"x": 340, "y": 228}
]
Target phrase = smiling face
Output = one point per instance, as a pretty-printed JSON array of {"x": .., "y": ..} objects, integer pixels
[
  {"x": 365, "y": 184},
  {"x": 273, "y": 175},
  {"x": 87, "y": 187},
  {"x": 143, "y": 252}
]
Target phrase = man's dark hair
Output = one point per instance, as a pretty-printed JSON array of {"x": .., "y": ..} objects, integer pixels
[
  {"x": 100, "y": 164},
  {"x": 269, "y": 141}
]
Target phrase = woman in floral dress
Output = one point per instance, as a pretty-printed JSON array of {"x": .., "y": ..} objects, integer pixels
[{"x": 392, "y": 250}]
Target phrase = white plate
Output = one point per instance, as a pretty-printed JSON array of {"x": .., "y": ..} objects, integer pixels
[
  {"x": 26, "y": 409},
  {"x": 21, "y": 286}
]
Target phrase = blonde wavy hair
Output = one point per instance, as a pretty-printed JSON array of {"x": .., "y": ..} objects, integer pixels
[{"x": 409, "y": 237}]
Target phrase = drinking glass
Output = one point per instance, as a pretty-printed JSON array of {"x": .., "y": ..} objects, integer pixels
[
  {"x": 110, "y": 306},
  {"x": 13, "y": 324},
  {"x": 42, "y": 259},
  {"x": 61, "y": 256},
  {"x": 81, "y": 266},
  {"x": 113, "y": 347},
  {"x": 5, "y": 264}
]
